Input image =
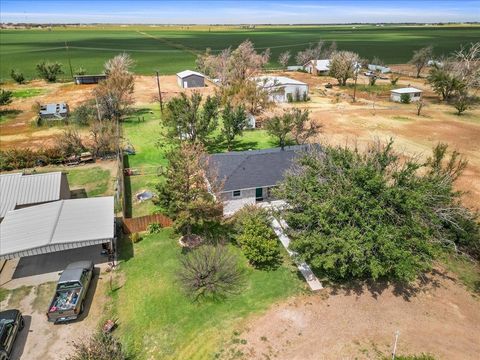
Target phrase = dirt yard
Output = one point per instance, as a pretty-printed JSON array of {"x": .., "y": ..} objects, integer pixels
[
  {"x": 443, "y": 319},
  {"x": 41, "y": 339}
]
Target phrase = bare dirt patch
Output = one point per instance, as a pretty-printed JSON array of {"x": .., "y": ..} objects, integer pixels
[{"x": 442, "y": 319}]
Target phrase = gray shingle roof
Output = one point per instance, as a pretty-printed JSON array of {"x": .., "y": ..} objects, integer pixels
[
  {"x": 254, "y": 168},
  {"x": 18, "y": 189}
]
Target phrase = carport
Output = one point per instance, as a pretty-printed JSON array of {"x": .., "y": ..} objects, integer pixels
[{"x": 57, "y": 226}]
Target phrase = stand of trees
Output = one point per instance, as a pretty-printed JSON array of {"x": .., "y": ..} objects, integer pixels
[{"x": 375, "y": 215}]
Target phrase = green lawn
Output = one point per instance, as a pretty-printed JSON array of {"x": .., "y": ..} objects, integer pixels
[
  {"x": 144, "y": 136},
  {"x": 96, "y": 181},
  {"x": 172, "y": 49},
  {"x": 157, "y": 321},
  {"x": 26, "y": 93}
]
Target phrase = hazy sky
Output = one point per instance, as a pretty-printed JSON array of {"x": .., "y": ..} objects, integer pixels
[{"x": 234, "y": 12}]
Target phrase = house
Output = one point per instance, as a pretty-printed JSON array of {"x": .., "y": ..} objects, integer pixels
[
  {"x": 318, "y": 67},
  {"x": 380, "y": 68},
  {"x": 281, "y": 88},
  {"x": 414, "y": 93},
  {"x": 88, "y": 79},
  {"x": 247, "y": 177},
  {"x": 57, "y": 226},
  {"x": 18, "y": 190},
  {"x": 190, "y": 79},
  {"x": 53, "y": 111}
]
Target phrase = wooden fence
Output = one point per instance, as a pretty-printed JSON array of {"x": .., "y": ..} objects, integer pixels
[{"x": 133, "y": 225}]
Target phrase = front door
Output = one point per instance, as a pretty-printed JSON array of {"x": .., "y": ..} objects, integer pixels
[{"x": 259, "y": 194}]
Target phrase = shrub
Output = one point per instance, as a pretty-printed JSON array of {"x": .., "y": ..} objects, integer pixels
[
  {"x": 17, "y": 76},
  {"x": 405, "y": 98},
  {"x": 13, "y": 159},
  {"x": 257, "y": 239},
  {"x": 5, "y": 97},
  {"x": 84, "y": 114},
  {"x": 394, "y": 80},
  {"x": 462, "y": 103},
  {"x": 289, "y": 97},
  {"x": 154, "y": 228},
  {"x": 135, "y": 237},
  {"x": 49, "y": 71},
  {"x": 100, "y": 346},
  {"x": 210, "y": 272}
]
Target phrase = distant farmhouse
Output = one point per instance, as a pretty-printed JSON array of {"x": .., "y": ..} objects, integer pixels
[
  {"x": 89, "y": 79},
  {"x": 53, "y": 111},
  {"x": 190, "y": 79},
  {"x": 414, "y": 93},
  {"x": 318, "y": 67},
  {"x": 282, "y": 88},
  {"x": 249, "y": 176},
  {"x": 380, "y": 68}
]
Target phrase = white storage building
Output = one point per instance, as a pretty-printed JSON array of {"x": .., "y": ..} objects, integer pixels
[
  {"x": 414, "y": 93},
  {"x": 190, "y": 79},
  {"x": 279, "y": 88}
]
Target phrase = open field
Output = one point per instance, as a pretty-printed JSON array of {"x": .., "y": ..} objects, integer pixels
[{"x": 171, "y": 49}]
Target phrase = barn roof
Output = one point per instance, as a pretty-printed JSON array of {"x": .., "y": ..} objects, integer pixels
[
  {"x": 253, "y": 168},
  {"x": 19, "y": 189},
  {"x": 56, "y": 226},
  {"x": 187, "y": 73}
]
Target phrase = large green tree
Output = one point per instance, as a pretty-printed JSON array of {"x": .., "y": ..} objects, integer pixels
[
  {"x": 445, "y": 83},
  {"x": 234, "y": 121},
  {"x": 186, "y": 119},
  {"x": 184, "y": 192},
  {"x": 376, "y": 215}
]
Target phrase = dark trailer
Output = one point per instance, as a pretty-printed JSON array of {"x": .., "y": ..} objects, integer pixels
[{"x": 88, "y": 79}]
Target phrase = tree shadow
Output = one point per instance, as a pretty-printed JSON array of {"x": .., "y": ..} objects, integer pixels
[
  {"x": 219, "y": 146},
  {"x": 125, "y": 247},
  {"x": 78, "y": 194},
  {"x": 407, "y": 291}
]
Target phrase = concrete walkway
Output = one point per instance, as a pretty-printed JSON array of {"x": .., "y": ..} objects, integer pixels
[{"x": 312, "y": 280}]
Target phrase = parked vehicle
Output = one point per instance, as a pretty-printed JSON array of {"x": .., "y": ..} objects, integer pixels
[
  {"x": 369, "y": 73},
  {"x": 11, "y": 322},
  {"x": 72, "y": 288}
]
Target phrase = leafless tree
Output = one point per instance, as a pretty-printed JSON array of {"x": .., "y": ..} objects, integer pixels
[
  {"x": 421, "y": 57},
  {"x": 343, "y": 66},
  {"x": 284, "y": 58}
]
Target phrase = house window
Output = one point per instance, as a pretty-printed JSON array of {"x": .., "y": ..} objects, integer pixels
[{"x": 236, "y": 193}]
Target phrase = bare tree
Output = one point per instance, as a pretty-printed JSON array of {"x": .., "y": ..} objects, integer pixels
[
  {"x": 420, "y": 58},
  {"x": 419, "y": 104},
  {"x": 343, "y": 66},
  {"x": 69, "y": 142},
  {"x": 284, "y": 58},
  {"x": 115, "y": 94},
  {"x": 466, "y": 65}
]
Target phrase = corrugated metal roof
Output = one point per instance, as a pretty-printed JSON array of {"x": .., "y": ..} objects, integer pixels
[
  {"x": 19, "y": 189},
  {"x": 47, "y": 227},
  {"x": 185, "y": 73}
]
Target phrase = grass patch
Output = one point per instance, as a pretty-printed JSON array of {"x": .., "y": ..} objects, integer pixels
[
  {"x": 17, "y": 295},
  {"x": 96, "y": 181},
  {"x": 43, "y": 296},
  {"x": 401, "y": 118},
  {"x": 26, "y": 93},
  {"x": 467, "y": 271},
  {"x": 377, "y": 88},
  {"x": 6, "y": 115},
  {"x": 159, "y": 322},
  {"x": 3, "y": 294}
]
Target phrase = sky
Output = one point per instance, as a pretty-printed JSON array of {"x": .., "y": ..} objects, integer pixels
[{"x": 238, "y": 12}]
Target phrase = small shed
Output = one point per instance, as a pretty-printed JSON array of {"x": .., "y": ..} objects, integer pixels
[
  {"x": 53, "y": 111},
  {"x": 190, "y": 79},
  {"x": 89, "y": 79},
  {"x": 251, "y": 121},
  {"x": 414, "y": 93}
]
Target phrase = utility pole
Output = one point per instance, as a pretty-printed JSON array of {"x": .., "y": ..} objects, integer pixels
[
  {"x": 397, "y": 333},
  {"x": 159, "y": 93},
  {"x": 69, "y": 60}
]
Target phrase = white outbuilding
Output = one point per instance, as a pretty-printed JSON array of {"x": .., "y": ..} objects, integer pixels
[
  {"x": 190, "y": 79},
  {"x": 282, "y": 89},
  {"x": 414, "y": 93},
  {"x": 318, "y": 67}
]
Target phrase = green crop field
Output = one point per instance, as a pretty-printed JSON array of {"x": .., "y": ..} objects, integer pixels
[{"x": 170, "y": 49}]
